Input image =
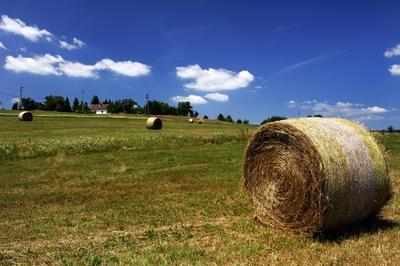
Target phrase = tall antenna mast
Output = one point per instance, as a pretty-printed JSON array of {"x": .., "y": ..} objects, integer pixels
[
  {"x": 83, "y": 93},
  {"x": 20, "y": 98},
  {"x": 147, "y": 104}
]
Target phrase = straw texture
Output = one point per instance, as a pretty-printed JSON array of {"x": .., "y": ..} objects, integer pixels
[
  {"x": 311, "y": 174},
  {"x": 25, "y": 116},
  {"x": 153, "y": 123}
]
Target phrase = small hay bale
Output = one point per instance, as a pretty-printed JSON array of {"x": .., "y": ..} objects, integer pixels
[
  {"x": 200, "y": 121},
  {"x": 191, "y": 120},
  {"x": 153, "y": 123},
  {"x": 25, "y": 116},
  {"x": 311, "y": 174}
]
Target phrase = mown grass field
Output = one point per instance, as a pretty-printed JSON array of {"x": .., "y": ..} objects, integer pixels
[{"x": 100, "y": 191}]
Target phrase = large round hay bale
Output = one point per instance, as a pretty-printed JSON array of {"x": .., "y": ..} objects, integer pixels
[
  {"x": 311, "y": 174},
  {"x": 190, "y": 120},
  {"x": 200, "y": 121},
  {"x": 153, "y": 123},
  {"x": 25, "y": 116}
]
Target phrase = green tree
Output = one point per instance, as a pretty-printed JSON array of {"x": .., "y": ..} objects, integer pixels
[
  {"x": 55, "y": 103},
  {"x": 67, "y": 105},
  {"x": 246, "y": 122},
  {"x": 273, "y": 119},
  {"x": 205, "y": 117},
  {"x": 239, "y": 121},
  {"x": 229, "y": 119},
  {"x": 390, "y": 129},
  {"x": 27, "y": 104},
  {"x": 95, "y": 100},
  {"x": 122, "y": 106},
  {"x": 84, "y": 108},
  {"x": 184, "y": 108},
  {"x": 75, "y": 104},
  {"x": 221, "y": 117}
]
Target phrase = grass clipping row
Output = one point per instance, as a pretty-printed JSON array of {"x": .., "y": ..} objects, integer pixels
[{"x": 312, "y": 174}]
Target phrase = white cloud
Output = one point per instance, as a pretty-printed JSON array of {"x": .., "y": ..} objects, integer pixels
[
  {"x": 213, "y": 79},
  {"x": 193, "y": 99},
  {"x": 127, "y": 68},
  {"x": 56, "y": 65},
  {"x": 23, "y": 49},
  {"x": 218, "y": 97},
  {"x": 14, "y": 100},
  {"x": 291, "y": 104},
  {"x": 394, "y": 70},
  {"x": 345, "y": 109},
  {"x": 40, "y": 65},
  {"x": 295, "y": 66},
  {"x": 78, "y": 42},
  {"x": 78, "y": 70},
  {"x": 17, "y": 26},
  {"x": 2, "y": 46},
  {"x": 395, "y": 51},
  {"x": 72, "y": 46}
]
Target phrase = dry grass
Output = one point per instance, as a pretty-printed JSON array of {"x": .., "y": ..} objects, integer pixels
[{"x": 180, "y": 205}]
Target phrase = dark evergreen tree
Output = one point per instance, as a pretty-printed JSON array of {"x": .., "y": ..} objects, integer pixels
[
  {"x": 229, "y": 119},
  {"x": 67, "y": 105},
  {"x": 75, "y": 105},
  {"x": 95, "y": 100}
]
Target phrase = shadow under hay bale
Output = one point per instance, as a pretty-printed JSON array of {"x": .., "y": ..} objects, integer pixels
[
  {"x": 154, "y": 123},
  {"x": 25, "y": 116},
  {"x": 314, "y": 174},
  {"x": 371, "y": 225}
]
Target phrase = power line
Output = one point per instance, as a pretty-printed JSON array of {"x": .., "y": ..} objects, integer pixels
[{"x": 8, "y": 94}]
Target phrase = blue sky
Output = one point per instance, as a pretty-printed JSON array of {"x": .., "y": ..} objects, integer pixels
[{"x": 249, "y": 59}]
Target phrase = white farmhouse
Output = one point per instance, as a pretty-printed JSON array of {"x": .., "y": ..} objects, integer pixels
[{"x": 99, "y": 109}]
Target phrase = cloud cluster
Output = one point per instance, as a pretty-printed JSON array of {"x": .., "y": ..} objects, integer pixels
[
  {"x": 217, "y": 97},
  {"x": 213, "y": 79},
  {"x": 394, "y": 70},
  {"x": 76, "y": 44},
  {"x": 17, "y": 26},
  {"x": 395, "y": 51},
  {"x": 209, "y": 80},
  {"x": 341, "y": 109},
  {"x": 2, "y": 46},
  {"x": 56, "y": 65},
  {"x": 40, "y": 65},
  {"x": 291, "y": 104},
  {"x": 193, "y": 99}
]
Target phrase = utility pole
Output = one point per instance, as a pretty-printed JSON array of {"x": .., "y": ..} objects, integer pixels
[
  {"x": 20, "y": 98},
  {"x": 83, "y": 93},
  {"x": 147, "y": 104}
]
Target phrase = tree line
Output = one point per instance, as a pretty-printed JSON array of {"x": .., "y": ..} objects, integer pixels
[
  {"x": 127, "y": 106},
  {"x": 228, "y": 118}
]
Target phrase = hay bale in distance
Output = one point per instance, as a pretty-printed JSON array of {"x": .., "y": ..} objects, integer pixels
[
  {"x": 200, "y": 121},
  {"x": 25, "y": 116},
  {"x": 153, "y": 123},
  {"x": 311, "y": 174},
  {"x": 191, "y": 120}
]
